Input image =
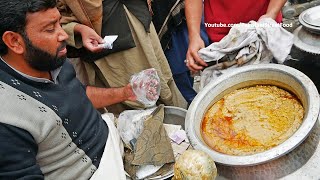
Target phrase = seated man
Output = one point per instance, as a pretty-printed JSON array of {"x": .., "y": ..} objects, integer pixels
[{"x": 49, "y": 127}]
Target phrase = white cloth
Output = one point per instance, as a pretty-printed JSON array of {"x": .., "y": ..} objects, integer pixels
[
  {"x": 252, "y": 43},
  {"x": 111, "y": 164}
]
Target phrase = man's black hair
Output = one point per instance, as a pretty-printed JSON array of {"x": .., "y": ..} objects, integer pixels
[{"x": 13, "y": 15}]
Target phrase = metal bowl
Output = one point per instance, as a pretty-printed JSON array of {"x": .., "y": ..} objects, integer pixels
[
  {"x": 312, "y": 16},
  {"x": 306, "y": 41},
  {"x": 270, "y": 74},
  {"x": 174, "y": 115},
  {"x": 310, "y": 19}
]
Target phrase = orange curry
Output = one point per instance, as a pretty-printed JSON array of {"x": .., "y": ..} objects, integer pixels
[{"x": 251, "y": 120}]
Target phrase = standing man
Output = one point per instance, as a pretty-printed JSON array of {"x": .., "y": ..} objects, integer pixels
[
  {"x": 137, "y": 47},
  {"x": 49, "y": 127},
  {"x": 224, "y": 12},
  {"x": 170, "y": 22}
]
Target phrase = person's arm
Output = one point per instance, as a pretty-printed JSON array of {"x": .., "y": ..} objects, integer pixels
[
  {"x": 102, "y": 97},
  {"x": 18, "y": 153},
  {"x": 274, "y": 8},
  {"x": 79, "y": 34},
  {"x": 90, "y": 39},
  {"x": 193, "y": 10}
]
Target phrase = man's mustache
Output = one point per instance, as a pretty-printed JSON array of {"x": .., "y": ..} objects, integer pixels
[{"x": 62, "y": 46}]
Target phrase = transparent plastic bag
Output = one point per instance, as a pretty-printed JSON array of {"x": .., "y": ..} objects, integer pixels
[
  {"x": 146, "y": 86},
  {"x": 130, "y": 125}
]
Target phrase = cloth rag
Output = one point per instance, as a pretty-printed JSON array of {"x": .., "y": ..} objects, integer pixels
[
  {"x": 251, "y": 43},
  {"x": 111, "y": 164}
]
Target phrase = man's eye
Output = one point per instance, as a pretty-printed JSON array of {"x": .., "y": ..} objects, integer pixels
[{"x": 50, "y": 30}]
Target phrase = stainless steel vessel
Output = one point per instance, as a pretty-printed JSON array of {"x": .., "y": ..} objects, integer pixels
[
  {"x": 307, "y": 36},
  {"x": 310, "y": 19},
  {"x": 271, "y": 74}
]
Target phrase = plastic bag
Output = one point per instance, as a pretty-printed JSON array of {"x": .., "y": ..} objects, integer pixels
[
  {"x": 130, "y": 125},
  {"x": 146, "y": 86}
]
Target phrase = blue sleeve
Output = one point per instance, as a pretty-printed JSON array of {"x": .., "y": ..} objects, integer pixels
[{"x": 18, "y": 152}]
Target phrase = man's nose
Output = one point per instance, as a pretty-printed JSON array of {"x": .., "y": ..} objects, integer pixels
[{"x": 62, "y": 35}]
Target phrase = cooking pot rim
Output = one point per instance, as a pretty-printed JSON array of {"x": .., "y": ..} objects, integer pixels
[{"x": 276, "y": 152}]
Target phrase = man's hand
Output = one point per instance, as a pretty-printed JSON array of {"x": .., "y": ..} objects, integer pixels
[
  {"x": 129, "y": 94},
  {"x": 194, "y": 62},
  {"x": 193, "y": 11},
  {"x": 90, "y": 38}
]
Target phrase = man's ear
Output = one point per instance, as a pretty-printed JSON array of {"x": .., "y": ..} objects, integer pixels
[{"x": 14, "y": 42}]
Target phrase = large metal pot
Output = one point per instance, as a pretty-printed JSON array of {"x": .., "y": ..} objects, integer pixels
[{"x": 271, "y": 74}]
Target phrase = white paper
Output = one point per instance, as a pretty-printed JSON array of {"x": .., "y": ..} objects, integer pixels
[
  {"x": 171, "y": 128},
  {"x": 146, "y": 170},
  {"x": 179, "y": 148},
  {"x": 108, "y": 41},
  {"x": 178, "y": 136}
]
